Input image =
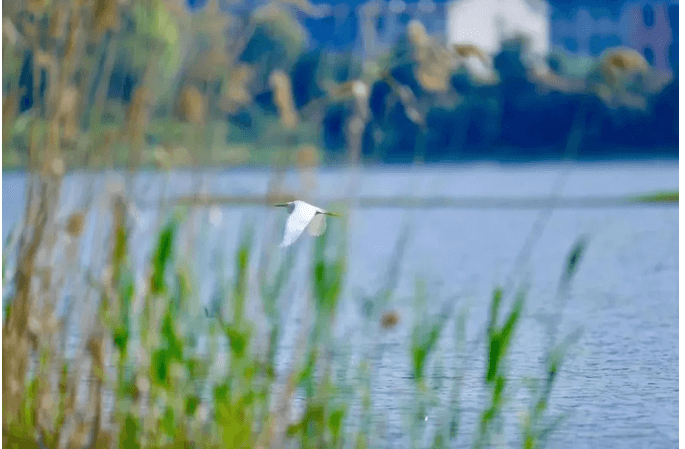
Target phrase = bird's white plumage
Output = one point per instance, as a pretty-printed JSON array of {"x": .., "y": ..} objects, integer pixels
[
  {"x": 317, "y": 226},
  {"x": 303, "y": 215}
]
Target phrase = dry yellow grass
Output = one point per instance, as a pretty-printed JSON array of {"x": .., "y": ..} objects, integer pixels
[{"x": 280, "y": 83}]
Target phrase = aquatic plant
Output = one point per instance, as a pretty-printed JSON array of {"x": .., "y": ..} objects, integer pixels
[{"x": 143, "y": 351}]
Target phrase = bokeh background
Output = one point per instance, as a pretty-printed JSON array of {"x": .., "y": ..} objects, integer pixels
[
  {"x": 227, "y": 83},
  {"x": 504, "y": 272}
]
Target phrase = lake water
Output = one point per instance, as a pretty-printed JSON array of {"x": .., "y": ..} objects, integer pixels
[{"x": 619, "y": 383}]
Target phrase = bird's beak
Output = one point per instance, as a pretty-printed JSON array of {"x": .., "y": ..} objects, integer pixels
[
  {"x": 280, "y": 205},
  {"x": 332, "y": 214}
]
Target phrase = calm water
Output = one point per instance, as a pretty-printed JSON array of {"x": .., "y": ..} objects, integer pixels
[{"x": 619, "y": 383}]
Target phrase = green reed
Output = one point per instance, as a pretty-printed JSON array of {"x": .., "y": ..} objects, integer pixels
[{"x": 148, "y": 332}]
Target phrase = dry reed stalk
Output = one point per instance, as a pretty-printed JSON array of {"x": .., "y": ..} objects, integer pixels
[
  {"x": 307, "y": 159},
  {"x": 192, "y": 105},
  {"x": 434, "y": 62},
  {"x": 237, "y": 92},
  {"x": 280, "y": 83},
  {"x": 189, "y": 236},
  {"x": 74, "y": 48},
  {"x": 83, "y": 351},
  {"x": 45, "y": 401},
  {"x": 34, "y": 148},
  {"x": 103, "y": 86},
  {"x": 96, "y": 349},
  {"x": 21, "y": 335},
  {"x": 9, "y": 30},
  {"x": 358, "y": 90},
  {"x": 105, "y": 78},
  {"x": 58, "y": 23},
  {"x": 79, "y": 436},
  {"x": 9, "y": 113},
  {"x": 357, "y": 123},
  {"x": 273, "y": 430},
  {"x": 34, "y": 327},
  {"x": 278, "y": 420},
  {"x": 137, "y": 120},
  {"x": 105, "y": 18},
  {"x": 52, "y": 163},
  {"x": 16, "y": 340}
]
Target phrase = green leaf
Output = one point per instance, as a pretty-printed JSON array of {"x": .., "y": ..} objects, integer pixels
[
  {"x": 160, "y": 366},
  {"x": 171, "y": 340},
  {"x": 129, "y": 433},
  {"x": 192, "y": 402},
  {"x": 168, "y": 422},
  {"x": 238, "y": 340},
  {"x": 161, "y": 258},
  {"x": 424, "y": 339},
  {"x": 242, "y": 271},
  {"x": 308, "y": 370},
  {"x": 121, "y": 332},
  {"x": 511, "y": 322},
  {"x": 573, "y": 259},
  {"x": 335, "y": 421}
]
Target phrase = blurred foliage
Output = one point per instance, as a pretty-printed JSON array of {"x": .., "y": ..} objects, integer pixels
[
  {"x": 660, "y": 197},
  {"x": 168, "y": 390},
  {"x": 151, "y": 83},
  {"x": 131, "y": 83}
]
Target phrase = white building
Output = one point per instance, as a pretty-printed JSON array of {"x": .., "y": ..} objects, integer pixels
[
  {"x": 486, "y": 23},
  {"x": 483, "y": 23}
]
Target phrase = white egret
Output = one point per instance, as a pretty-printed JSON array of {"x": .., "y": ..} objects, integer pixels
[{"x": 303, "y": 215}]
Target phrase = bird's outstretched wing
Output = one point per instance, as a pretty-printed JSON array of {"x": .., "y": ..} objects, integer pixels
[
  {"x": 297, "y": 221},
  {"x": 317, "y": 226}
]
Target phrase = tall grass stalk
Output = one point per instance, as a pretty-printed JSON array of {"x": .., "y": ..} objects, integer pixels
[{"x": 143, "y": 350}]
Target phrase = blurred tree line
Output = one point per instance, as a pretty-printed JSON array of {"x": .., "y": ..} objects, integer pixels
[{"x": 116, "y": 82}]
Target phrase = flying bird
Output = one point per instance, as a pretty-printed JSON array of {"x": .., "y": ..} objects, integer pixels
[{"x": 303, "y": 215}]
